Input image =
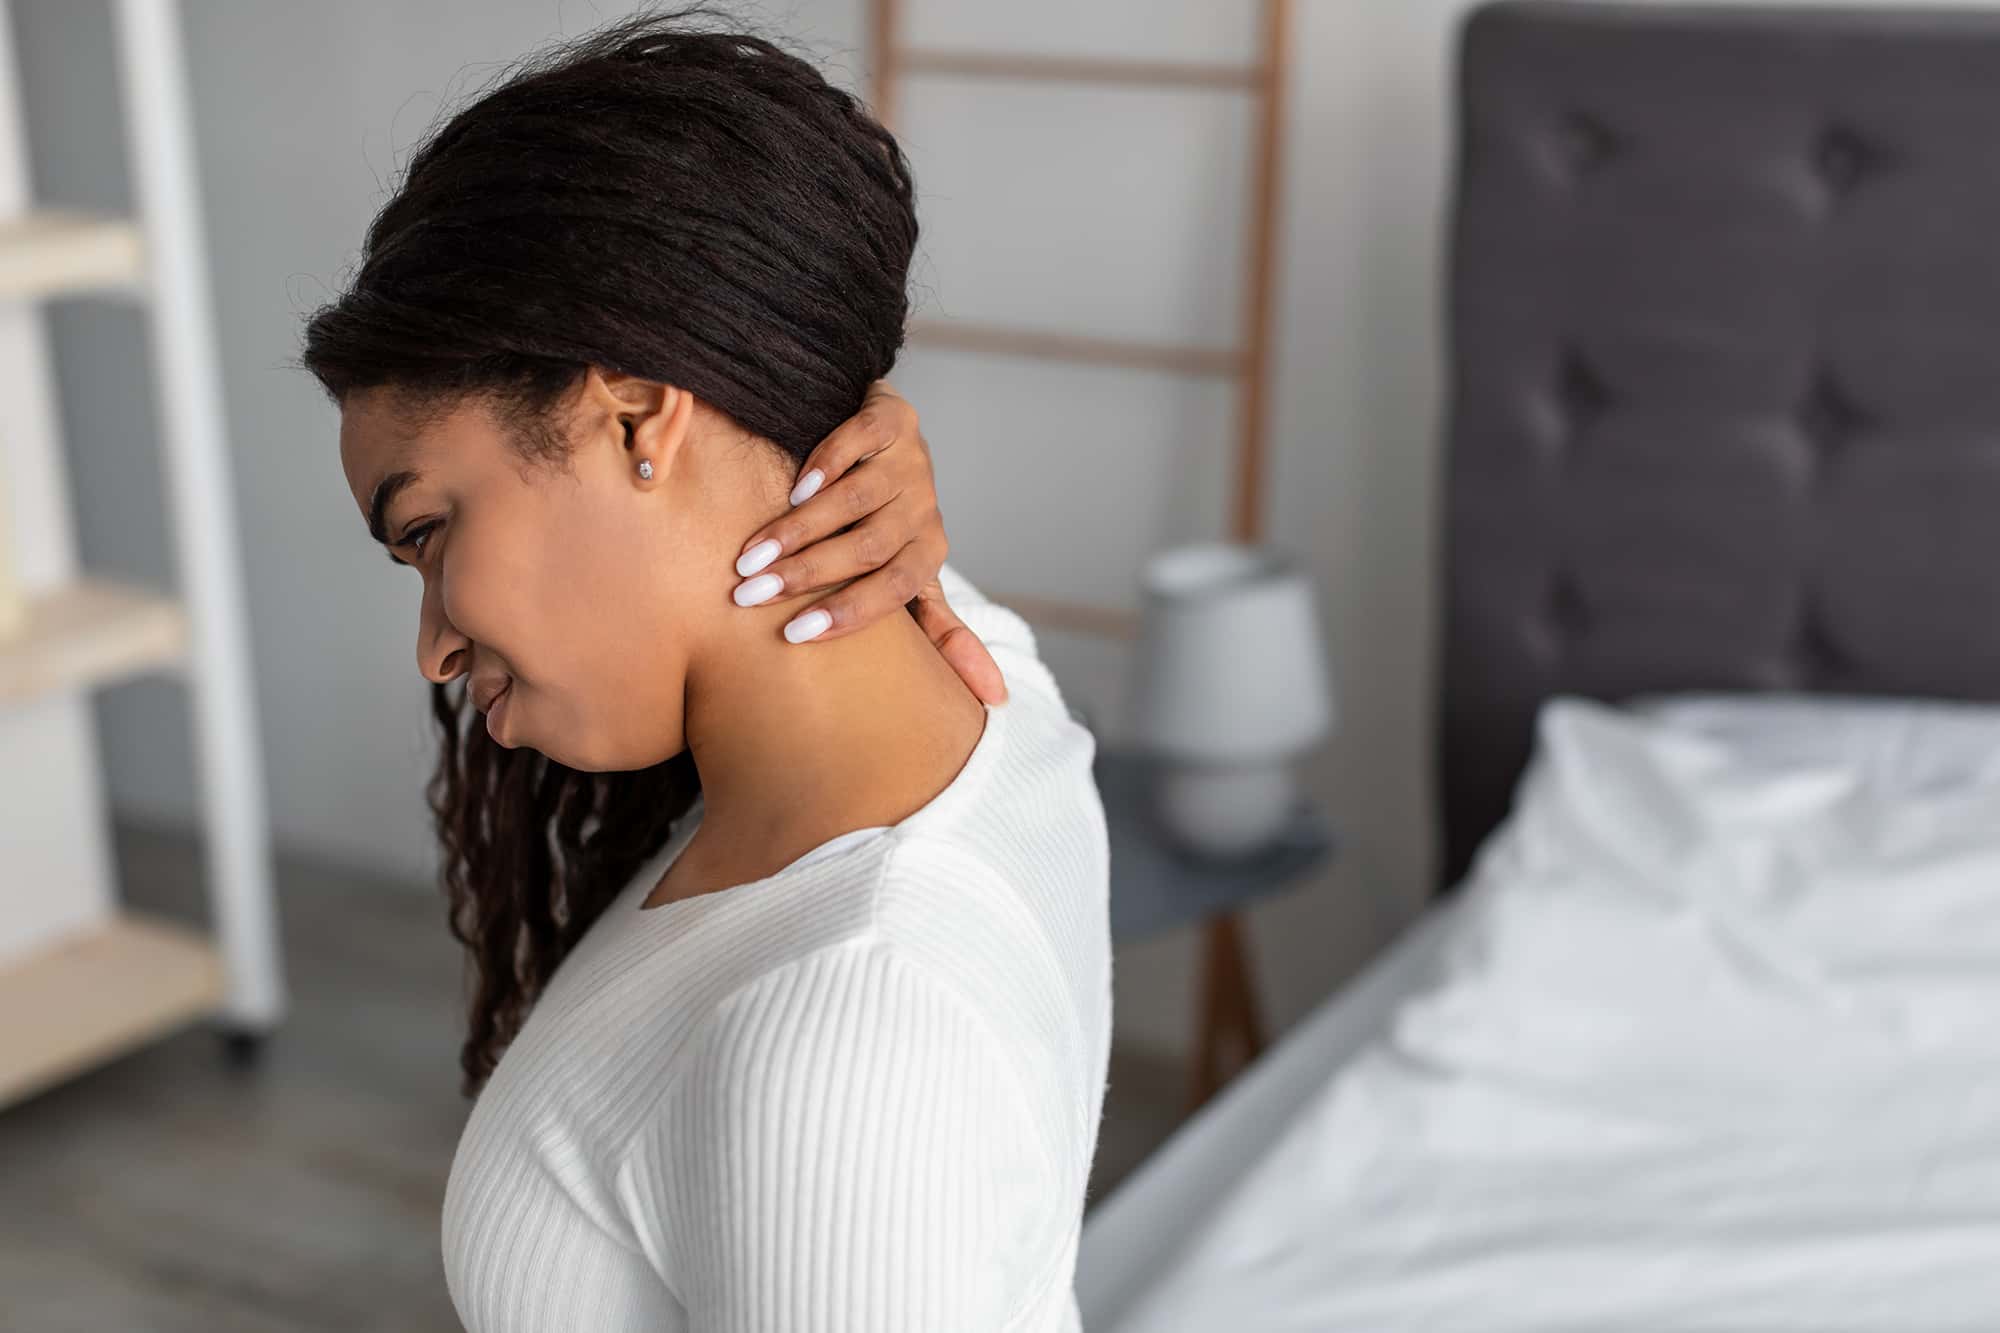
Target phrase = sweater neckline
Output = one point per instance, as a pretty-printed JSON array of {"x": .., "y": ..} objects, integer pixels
[{"x": 971, "y": 775}]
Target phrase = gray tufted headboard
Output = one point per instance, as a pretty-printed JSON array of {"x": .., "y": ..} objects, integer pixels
[{"x": 1725, "y": 365}]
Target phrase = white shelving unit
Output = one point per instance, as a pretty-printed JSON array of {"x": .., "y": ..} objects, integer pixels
[{"x": 83, "y": 979}]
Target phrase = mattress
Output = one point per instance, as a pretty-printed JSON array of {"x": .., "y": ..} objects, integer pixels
[
  {"x": 1705, "y": 1041},
  {"x": 1131, "y": 1237}
]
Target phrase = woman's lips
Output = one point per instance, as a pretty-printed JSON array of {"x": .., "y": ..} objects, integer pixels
[{"x": 496, "y": 712}]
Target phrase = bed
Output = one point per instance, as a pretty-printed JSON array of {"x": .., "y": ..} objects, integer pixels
[{"x": 1695, "y": 1034}]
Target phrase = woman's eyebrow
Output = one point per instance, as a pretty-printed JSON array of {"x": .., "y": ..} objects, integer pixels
[{"x": 385, "y": 491}]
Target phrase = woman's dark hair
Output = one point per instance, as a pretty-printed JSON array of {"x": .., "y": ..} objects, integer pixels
[{"x": 663, "y": 197}]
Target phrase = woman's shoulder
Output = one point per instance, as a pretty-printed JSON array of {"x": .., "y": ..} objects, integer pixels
[
  {"x": 891, "y": 976},
  {"x": 1016, "y": 878},
  {"x": 866, "y": 1029}
]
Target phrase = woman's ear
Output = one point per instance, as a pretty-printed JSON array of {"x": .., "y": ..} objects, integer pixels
[{"x": 648, "y": 420}]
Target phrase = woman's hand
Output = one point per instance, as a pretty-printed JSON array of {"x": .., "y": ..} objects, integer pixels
[{"x": 893, "y": 545}]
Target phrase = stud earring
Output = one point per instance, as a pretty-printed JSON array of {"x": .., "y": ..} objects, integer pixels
[{"x": 646, "y": 468}]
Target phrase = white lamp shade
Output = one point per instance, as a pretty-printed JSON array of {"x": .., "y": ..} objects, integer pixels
[{"x": 1232, "y": 667}]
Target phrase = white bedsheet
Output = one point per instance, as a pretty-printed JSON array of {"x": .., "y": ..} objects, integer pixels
[{"x": 1713, "y": 1043}]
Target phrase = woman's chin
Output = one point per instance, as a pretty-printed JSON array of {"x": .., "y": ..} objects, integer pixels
[
  {"x": 622, "y": 754},
  {"x": 617, "y": 749}
]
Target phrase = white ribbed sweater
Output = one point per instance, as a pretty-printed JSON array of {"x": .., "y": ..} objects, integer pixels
[{"x": 861, "y": 1094}]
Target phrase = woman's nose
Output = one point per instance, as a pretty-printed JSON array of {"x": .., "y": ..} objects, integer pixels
[
  {"x": 441, "y": 668},
  {"x": 441, "y": 650}
]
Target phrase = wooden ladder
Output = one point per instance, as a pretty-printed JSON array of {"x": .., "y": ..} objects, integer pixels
[{"x": 1228, "y": 1005}]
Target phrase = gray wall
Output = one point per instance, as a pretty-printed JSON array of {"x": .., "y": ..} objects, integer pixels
[{"x": 1103, "y": 212}]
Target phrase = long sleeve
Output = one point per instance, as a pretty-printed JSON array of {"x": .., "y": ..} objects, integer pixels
[{"x": 845, "y": 1150}]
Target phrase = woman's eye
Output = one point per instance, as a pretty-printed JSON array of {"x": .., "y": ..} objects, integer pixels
[{"x": 412, "y": 541}]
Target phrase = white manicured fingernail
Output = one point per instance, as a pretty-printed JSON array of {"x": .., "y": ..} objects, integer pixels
[
  {"x": 808, "y": 625},
  {"x": 808, "y": 485},
  {"x": 758, "y": 556},
  {"x": 760, "y": 589}
]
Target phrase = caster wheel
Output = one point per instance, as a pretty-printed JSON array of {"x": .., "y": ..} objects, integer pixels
[{"x": 242, "y": 1048}]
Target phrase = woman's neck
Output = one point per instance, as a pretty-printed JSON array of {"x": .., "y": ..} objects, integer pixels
[{"x": 796, "y": 743}]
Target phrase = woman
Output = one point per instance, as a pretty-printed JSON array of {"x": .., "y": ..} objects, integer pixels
[{"x": 796, "y": 948}]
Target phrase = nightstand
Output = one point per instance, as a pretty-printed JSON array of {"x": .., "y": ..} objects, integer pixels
[{"x": 1156, "y": 887}]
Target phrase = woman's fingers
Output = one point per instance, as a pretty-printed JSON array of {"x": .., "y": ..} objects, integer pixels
[
  {"x": 833, "y": 492},
  {"x": 869, "y": 598},
  {"x": 877, "y": 525},
  {"x": 877, "y": 517},
  {"x": 871, "y": 495},
  {"x": 887, "y": 586}
]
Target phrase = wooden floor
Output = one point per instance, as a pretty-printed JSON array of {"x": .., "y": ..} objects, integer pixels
[{"x": 172, "y": 1192}]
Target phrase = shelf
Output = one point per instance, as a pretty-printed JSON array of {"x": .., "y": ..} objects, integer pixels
[
  {"x": 98, "y": 993},
  {"x": 73, "y": 995},
  {"x": 55, "y": 253},
  {"x": 90, "y": 632}
]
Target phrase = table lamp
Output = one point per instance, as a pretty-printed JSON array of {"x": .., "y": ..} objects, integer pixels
[{"x": 1232, "y": 685}]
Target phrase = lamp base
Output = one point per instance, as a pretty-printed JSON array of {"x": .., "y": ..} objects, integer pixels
[{"x": 1223, "y": 812}]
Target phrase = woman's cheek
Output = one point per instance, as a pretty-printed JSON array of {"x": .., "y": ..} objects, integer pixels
[{"x": 483, "y": 597}]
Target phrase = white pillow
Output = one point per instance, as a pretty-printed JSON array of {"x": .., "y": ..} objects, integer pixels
[
  {"x": 1729, "y": 913},
  {"x": 1893, "y": 743}
]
